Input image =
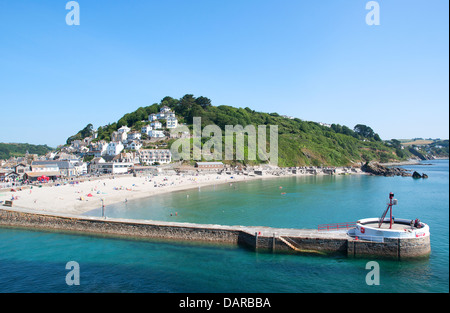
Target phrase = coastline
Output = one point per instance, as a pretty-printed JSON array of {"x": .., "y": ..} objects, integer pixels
[
  {"x": 409, "y": 162},
  {"x": 86, "y": 196}
]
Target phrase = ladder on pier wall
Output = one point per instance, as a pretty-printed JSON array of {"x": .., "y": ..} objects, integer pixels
[{"x": 293, "y": 247}]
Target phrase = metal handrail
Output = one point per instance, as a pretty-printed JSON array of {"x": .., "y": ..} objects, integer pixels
[{"x": 336, "y": 226}]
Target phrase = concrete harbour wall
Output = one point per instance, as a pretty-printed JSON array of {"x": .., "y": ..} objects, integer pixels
[{"x": 262, "y": 239}]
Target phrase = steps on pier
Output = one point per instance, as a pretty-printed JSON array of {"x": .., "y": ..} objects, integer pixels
[{"x": 293, "y": 247}]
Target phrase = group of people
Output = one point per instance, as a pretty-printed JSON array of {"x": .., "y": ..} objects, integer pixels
[{"x": 416, "y": 223}]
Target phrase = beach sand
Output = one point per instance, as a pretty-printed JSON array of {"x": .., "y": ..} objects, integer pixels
[{"x": 86, "y": 196}]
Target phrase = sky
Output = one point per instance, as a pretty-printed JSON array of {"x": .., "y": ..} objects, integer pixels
[{"x": 317, "y": 60}]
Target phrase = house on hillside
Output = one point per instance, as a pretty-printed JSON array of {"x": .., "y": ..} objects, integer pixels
[
  {"x": 156, "y": 125},
  {"x": 133, "y": 136},
  {"x": 146, "y": 129},
  {"x": 128, "y": 157},
  {"x": 114, "y": 148},
  {"x": 98, "y": 149},
  {"x": 156, "y": 134},
  {"x": 164, "y": 113},
  {"x": 119, "y": 136},
  {"x": 124, "y": 129},
  {"x": 134, "y": 145},
  {"x": 172, "y": 122},
  {"x": 152, "y": 117},
  {"x": 165, "y": 109}
]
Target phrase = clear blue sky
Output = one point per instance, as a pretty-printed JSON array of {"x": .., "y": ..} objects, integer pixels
[{"x": 317, "y": 60}]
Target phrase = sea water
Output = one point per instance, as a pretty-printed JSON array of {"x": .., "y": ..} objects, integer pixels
[{"x": 34, "y": 261}]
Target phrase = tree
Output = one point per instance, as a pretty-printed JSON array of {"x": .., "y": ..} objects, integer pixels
[
  {"x": 347, "y": 131},
  {"x": 203, "y": 102},
  {"x": 396, "y": 143},
  {"x": 186, "y": 104},
  {"x": 152, "y": 109},
  {"x": 364, "y": 131},
  {"x": 170, "y": 102},
  {"x": 122, "y": 122},
  {"x": 87, "y": 131},
  {"x": 376, "y": 137}
]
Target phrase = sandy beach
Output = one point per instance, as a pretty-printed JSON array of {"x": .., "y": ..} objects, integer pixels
[
  {"x": 79, "y": 198},
  {"x": 85, "y": 196}
]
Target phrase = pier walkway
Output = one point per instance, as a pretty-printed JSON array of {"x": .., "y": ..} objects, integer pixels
[{"x": 259, "y": 238}]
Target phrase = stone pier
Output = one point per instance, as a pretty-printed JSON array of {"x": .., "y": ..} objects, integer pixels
[{"x": 261, "y": 239}]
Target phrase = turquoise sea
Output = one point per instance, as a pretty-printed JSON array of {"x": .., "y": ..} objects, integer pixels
[{"x": 34, "y": 261}]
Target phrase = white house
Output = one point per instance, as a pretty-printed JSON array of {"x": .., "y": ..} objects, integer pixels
[
  {"x": 81, "y": 168},
  {"x": 170, "y": 115},
  {"x": 114, "y": 148},
  {"x": 77, "y": 144},
  {"x": 133, "y": 136},
  {"x": 172, "y": 122},
  {"x": 66, "y": 167},
  {"x": 150, "y": 156},
  {"x": 98, "y": 149},
  {"x": 119, "y": 136},
  {"x": 156, "y": 133},
  {"x": 325, "y": 124},
  {"x": 123, "y": 129},
  {"x": 146, "y": 129},
  {"x": 164, "y": 113},
  {"x": 95, "y": 163},
  {"x": 46, "y": 167},
  {"x": 179, "y": 134},
  {"x": 129, "y": 157},
  {"x": 152, "y": 117},
  {"x": 156, "y": 125},
  {"x": 165, "y": 109},
  {"x": 134, "y": 145},
  {"x": 113, "y": 168}
]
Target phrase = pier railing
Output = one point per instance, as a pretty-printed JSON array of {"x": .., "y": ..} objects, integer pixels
[{"x": 336, "y": 226}]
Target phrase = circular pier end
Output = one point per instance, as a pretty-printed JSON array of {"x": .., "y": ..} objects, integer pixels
[{"x": 400, "y": 240}]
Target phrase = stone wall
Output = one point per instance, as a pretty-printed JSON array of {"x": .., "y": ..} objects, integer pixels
[
  {"x": 391, "y": 248},
  {"x": 118, "y": 227},
  {"x": 307, "y": 245},
  {"x": 237, "y": 235},
  {"x": 414, "y": 247}
]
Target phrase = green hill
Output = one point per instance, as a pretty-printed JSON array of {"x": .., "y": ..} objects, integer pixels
[
  {"x": 300, "y": 142},
  {"x": 8, "y": 150}
]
